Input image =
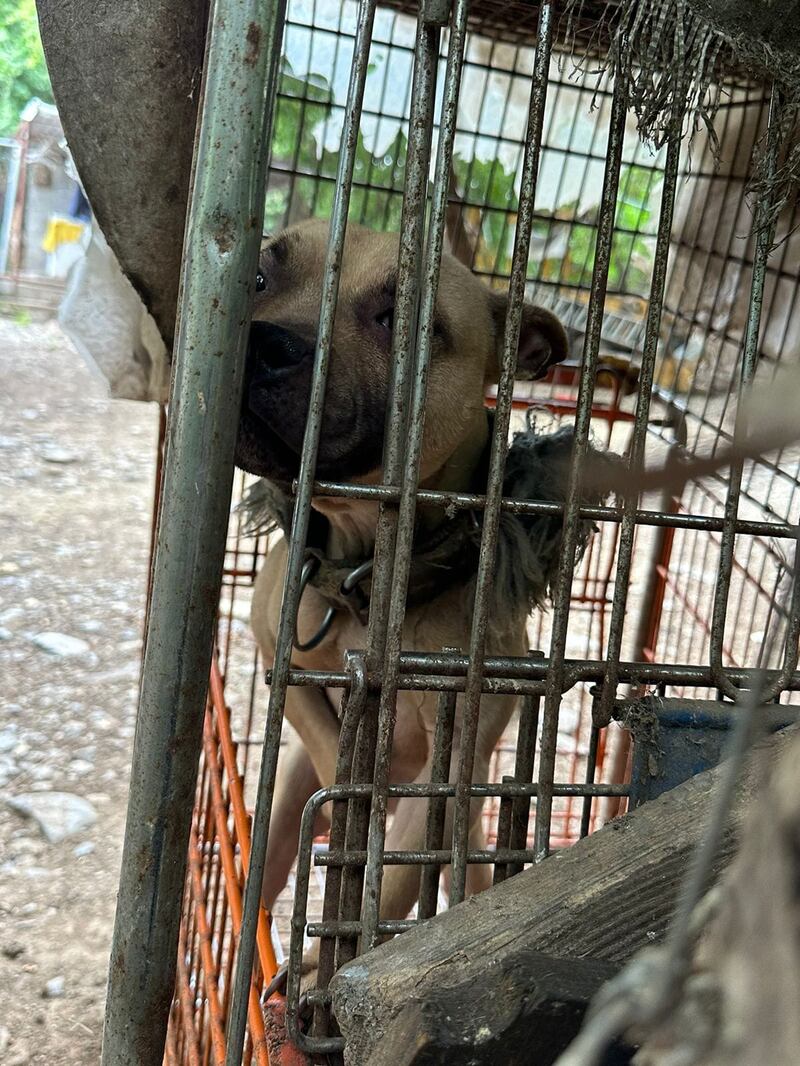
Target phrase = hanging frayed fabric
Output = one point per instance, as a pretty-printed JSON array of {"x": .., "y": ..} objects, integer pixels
[{"x": 685, "y": 54}]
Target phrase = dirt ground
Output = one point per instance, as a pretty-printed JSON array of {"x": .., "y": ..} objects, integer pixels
[{"x": 76, "y": 484}]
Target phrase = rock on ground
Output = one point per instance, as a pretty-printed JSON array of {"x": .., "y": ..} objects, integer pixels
[
  {"x": 58, "y": 814},
  {"x": 61, "y": 644}
]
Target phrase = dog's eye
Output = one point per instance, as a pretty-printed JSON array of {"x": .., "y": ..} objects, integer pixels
[
  {"x": 261, "y": 282},
  {"x": 386, "y": 319}
]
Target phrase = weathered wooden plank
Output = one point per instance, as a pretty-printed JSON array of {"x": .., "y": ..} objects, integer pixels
[
  {"x": 603, "y": 899},
  {"x": 531, "y": 1007}
]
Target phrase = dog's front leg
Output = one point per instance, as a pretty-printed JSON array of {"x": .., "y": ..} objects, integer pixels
[
  {"x": 295, "y": 781},
  {"x": 312, "y": 715}
]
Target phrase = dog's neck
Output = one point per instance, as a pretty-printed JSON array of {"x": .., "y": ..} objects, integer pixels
[{"x": 353, "y": 522}]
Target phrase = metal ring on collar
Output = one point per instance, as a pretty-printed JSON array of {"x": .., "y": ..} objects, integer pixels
[
  {"x": 348, "y": 586},
  {"x": 310, "y": 567},
  {"x": 355, "y": 576}
]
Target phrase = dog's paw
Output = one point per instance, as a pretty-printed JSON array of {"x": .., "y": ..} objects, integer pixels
[
  {"x": 308, "y": 975},
  {"x": 277, "y": 985}
]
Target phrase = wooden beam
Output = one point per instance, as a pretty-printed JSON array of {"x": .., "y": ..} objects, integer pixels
[{"x": 603, "y": 899}]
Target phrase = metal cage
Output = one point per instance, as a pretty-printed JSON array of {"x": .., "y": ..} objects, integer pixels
[{"x": 468, "y": 127}]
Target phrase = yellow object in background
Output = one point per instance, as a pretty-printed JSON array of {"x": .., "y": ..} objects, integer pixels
[{"x": 61, "y": 231}]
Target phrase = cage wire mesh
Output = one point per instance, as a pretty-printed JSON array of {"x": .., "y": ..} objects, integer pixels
[{"x": 673, "y": 564}]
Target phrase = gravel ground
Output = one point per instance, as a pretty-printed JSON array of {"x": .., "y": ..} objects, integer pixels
[{"x": 76, "y": 483}]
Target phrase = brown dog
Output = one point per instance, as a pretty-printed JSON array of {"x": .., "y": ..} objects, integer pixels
[{"x": 468, "y": 336}]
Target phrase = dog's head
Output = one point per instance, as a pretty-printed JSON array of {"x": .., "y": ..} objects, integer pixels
[{"x": 467, "y": 340}]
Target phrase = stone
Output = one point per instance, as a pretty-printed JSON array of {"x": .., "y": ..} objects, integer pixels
[
  {"x": 13, "y": 949},
  {"x": 5, "y": 634},
  {"x": 54, "y": 988},
  {"x": 58, "y": 814},
  {"x": 86, "y": 848},
  {"x": 54, "y": 453},
  {"x": 19, "y": 1056},
  {"x": 80, "y": 767},
  {"x": 60, "y": 644},
  {"x": 8, "y": 739}
]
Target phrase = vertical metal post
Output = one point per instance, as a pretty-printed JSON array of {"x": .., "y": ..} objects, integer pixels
[
  {"x": 583, "y": 416},
  {"x": 497, "y": 458},
  {"x": 431, "y": 18},
  {"x": 646, "y": 374},
  {"x": 297, "y": 538},
  {"x": 220, "y": 257}
]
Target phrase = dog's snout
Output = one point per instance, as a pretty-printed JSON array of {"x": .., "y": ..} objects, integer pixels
[{"x": 275, "y": 352}]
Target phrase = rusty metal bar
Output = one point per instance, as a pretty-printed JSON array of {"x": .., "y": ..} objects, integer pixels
[
  {"x": 221, "y": 251},
  {"x": 354, "y": 704},
  {"x": 292, "y": 584},
  {"x": 499, "y": 448},
  {"x": 241, "y": 821},
  {"x": 481, "y": 790},
  {"x": 215, "y": 1016},
  {"x": 513, "y": 676},
  {"x": 426, "y": 293},
  {"x": 591, "y": 765},
  {"x": 523, "y": 772},
  {"x": 503, "y": 833},
  {"x": 467, "y": 501},
  {"x": 441, "y": 757},
  {"x": 555, "y": 680},
  {"x": 233, "y": 892},
  {"x": 192, "y": 1044},
  {"x": 318, "y": 1044},
  {"x": 637, "y": 448},
  {"x": 357, "y": 826}
]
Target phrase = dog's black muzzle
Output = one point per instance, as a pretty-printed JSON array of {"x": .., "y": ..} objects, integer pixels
[
  {"x": 277, "y": 388},
  {"x": 273, "y": 353},
  {"x": 278, "y": 362}
]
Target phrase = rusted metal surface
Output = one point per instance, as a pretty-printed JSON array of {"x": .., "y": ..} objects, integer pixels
[
  {"x": 494, "y": 487},
  {"x": 292, "y": 586},
  {"x": 218, "y": 276},
  {"x": 418, "y": 280},
  {"x": 434, "y": 829},
  {"x": 603, "y": 680},
  {"x": 561, "y": 593},
  {"x": 219, "y": 850},
  {"x": 643, "y": 400},
  {"x": 764, "y": 226},
  {"x": 281, "y": 1051}
]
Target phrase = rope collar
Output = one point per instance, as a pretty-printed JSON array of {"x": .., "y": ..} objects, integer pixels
[
  {"x": 438, "y": 560},
  {"x": 528, "y": 550}
]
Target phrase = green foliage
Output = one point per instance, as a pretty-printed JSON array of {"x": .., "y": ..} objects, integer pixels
[
  {"x": 23, "y": 73},
  {"x": 563, "y": 246},
  {"x": 631, "y": 247},
  {"x": 304, "y": 108}
]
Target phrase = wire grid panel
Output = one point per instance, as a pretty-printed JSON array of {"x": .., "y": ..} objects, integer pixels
[
  {"x": 591, "y": 247},
  {"x": 707, "y": 306}
]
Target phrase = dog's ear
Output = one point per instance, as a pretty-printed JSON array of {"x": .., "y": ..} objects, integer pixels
[{"x": 542, "y": 340}]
